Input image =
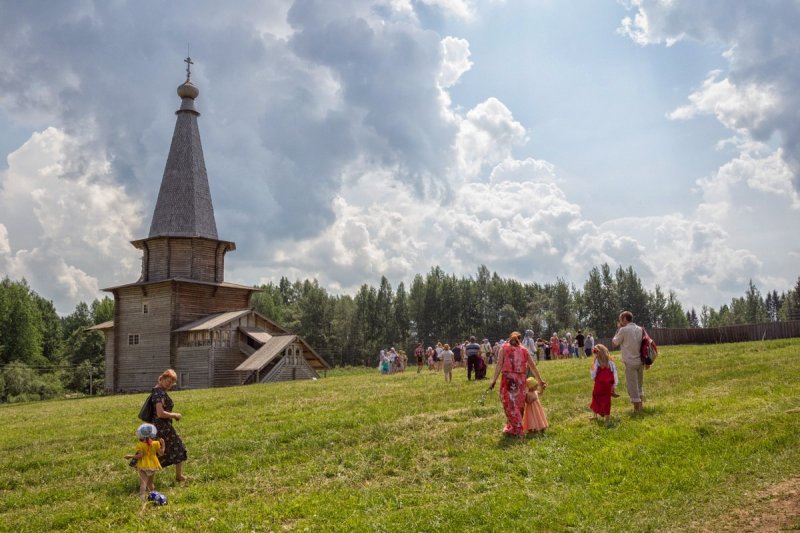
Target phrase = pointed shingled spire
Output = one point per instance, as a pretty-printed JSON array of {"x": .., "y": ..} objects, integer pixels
[{"x": 184, "y": 208}]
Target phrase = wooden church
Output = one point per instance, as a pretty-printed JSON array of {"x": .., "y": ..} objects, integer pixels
[{"x": 181, "y": 313}]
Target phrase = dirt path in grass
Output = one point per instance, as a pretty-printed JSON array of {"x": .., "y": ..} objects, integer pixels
[{"x": 775, "y": 509}]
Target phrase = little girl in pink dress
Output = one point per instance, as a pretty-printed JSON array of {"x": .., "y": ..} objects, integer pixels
[{"x": 534, "y": 419}]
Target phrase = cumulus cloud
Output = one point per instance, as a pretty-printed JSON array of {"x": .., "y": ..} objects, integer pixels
[
  {"x": 66, "y": 234},
  {"x": 759, "y": 93},
  {"x": 486, "y": 136},
  {"x": 455, "y": 60},
  {"x": 747, "y": 106}
]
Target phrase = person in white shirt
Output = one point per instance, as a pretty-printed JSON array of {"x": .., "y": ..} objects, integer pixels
[
  {"x": 447, "y": 358},
  {"x": 629, "y": 340}
]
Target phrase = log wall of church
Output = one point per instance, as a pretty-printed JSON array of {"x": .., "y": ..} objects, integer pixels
[
  {"x": 193, "y": 367},
  {"x": 183, "y": 257},
  {"x": 143, "y": 326},
  {"x": 194, "y": 301},
  {"x": 109, "y": 345},
  {"x": 225, "y": 361}
]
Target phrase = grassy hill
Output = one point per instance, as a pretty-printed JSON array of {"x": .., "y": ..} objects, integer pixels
[{"x": 357, "y": 451}]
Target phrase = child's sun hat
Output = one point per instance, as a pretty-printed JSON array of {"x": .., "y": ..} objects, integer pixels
[{"x": 146, "y": 431}]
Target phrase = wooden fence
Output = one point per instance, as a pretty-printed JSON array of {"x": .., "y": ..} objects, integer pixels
[
  {"x": 741, "y": 333},
  {"x": 671, "y": 336}
]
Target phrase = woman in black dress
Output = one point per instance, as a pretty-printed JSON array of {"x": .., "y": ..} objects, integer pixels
[{"x": 175, "y": 451}]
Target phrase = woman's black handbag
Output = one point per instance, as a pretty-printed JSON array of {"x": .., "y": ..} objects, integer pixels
[{"x": 146, "y": 413}]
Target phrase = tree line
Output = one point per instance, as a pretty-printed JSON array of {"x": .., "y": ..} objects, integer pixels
[
  {"x": 43, "y": 355},
  {"x": 351, "y": 330}
]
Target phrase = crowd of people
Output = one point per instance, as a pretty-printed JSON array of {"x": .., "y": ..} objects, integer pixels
[
  {"x": 392, "y": 361},
  {"x": 476, "y": 356},
  {"x": 515, "y": 362}
]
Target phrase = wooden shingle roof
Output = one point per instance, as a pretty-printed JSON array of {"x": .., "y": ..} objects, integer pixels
[
  {"x": 266, "y": 353},
  {"x": 213, "y": 321},
  {"x": 184, "y": 208},
  {"x": 101, "y": 326},
  {"x": 257, "y": 334}
]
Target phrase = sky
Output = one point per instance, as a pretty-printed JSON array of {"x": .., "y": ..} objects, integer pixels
[{"x": 350, "y": 140}]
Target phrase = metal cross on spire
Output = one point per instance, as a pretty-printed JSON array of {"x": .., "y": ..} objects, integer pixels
[{"x": 189, "y": 64}]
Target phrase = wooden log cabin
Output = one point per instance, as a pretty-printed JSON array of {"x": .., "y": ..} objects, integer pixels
[{"x": 181, "y": 313}]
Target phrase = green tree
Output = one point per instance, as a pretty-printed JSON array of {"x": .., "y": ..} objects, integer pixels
[
  {"x": 402, "y": 316},
  {"x": 312, "y": 305},
  {"x": 50, "y": 327},
  {"x": 788, "y": 309},
  {"x": 658, "y": 307},
  {"x": 416, "y": 305},
  {"x": 22, "y": 383},
  {"x": 21, "y": 326},
  {"x": 593, "y": 304},
  {"x": 508, "y": 319},
  {"x": 632, "y": 296},
  {"x": 102, "y": 310},
  {"x": 79, "y": 319},
  {"x": 84, "y": 350},
  {"x": 384, "y": 324},
  {"x": 486, "y": 317},
  {"x": 755, "y": 308},
  {"x": 674, "y": 317},
  {"x": 269, "y": 301},
  {"x": 343, "y": 348},
  {"x": 561, "y": 306}
]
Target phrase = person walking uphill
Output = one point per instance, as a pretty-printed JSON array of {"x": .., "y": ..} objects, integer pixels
[
  {"x": 174, "y": 449},
  {"x": 447, "y": 358},
  {"x": 473, "y": 351},
  {"x": 629, "y": 340},
  {"x": 513, "y": 360}
]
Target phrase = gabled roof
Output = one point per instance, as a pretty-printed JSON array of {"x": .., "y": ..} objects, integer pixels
[
  {"x": 257, "y": 334},
  {"x": 220, "y": 319},
  {"x": 274, "y": 346},
  {"x": 266, "y": 353},
  {"x": 213, "y": 321},
  {"x": 183, "y": 208},
  {"x": 101, "y": 326}
]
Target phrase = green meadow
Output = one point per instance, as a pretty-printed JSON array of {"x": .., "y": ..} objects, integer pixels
[{"x": 357, "y": 451}]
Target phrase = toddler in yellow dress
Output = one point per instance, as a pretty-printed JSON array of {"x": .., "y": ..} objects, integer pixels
[{"x": 147, "y": 453}]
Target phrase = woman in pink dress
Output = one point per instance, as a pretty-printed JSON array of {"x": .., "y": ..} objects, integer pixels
[
  {"x": 555, "y": 349},
  {"x": 513, "y": 360}
]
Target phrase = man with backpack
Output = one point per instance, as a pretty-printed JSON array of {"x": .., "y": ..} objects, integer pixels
[{"x": 629, "y": 340}]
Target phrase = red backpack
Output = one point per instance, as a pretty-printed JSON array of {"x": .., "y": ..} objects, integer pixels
[{"x": 648, "y": 351}]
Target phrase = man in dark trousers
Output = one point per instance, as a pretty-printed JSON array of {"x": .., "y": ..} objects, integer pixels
[
  {"x": 473, "y": 350},
  {"x": 580, "y": 338}
]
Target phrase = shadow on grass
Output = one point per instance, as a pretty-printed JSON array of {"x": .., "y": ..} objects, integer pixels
[
  {"x": 509, "y": 441},
  {"x": 646, "y": 412},
  {"x": 603, "y": 424}
]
